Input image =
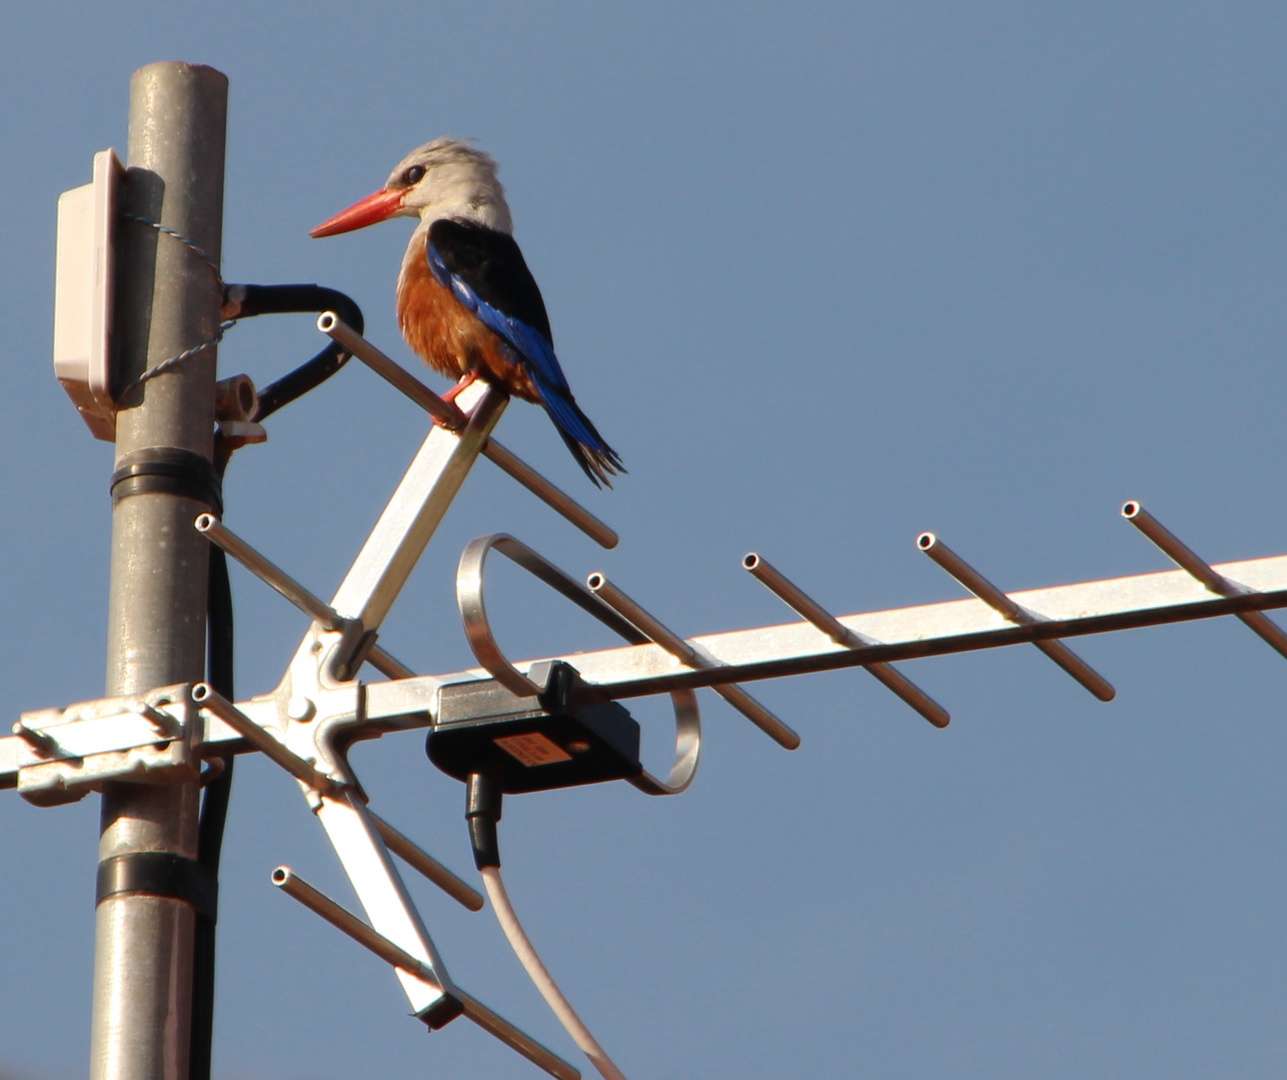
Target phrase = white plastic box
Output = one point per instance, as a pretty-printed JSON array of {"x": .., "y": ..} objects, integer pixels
[{"x": 83, "y": 294}]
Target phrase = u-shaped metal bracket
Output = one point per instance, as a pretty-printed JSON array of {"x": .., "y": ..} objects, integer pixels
[{"x": 478, "y": 630}]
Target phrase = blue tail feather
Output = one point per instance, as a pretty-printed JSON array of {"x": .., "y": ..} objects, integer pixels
[{"x": 593, "y": 454}]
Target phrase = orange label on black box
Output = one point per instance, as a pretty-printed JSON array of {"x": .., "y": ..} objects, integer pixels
[{"x": 533, "y": 748}]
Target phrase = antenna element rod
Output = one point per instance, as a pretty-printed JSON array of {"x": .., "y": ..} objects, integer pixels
[
  {"x": 796, "y": 598},
  {"x": 1073, "y": 664}
]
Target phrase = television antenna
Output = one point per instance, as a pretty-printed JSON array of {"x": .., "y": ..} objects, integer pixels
[{"x": 522, "y": 724}]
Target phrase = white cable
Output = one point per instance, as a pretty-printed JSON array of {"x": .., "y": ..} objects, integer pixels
[{"x": 522, "y": 947}]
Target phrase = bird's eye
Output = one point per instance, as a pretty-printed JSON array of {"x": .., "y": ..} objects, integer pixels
[{"x": 414, "y": 174}]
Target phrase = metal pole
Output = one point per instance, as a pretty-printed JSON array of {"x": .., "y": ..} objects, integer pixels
[{"x": 168, "y": 301}]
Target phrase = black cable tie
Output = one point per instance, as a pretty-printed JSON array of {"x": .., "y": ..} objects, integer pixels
[
  {"x": 159, "y": 873},
  {"x": 169, "y": 470}
]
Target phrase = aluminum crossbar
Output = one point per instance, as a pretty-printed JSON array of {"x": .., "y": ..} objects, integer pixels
[{"x": 768, "y": 652}]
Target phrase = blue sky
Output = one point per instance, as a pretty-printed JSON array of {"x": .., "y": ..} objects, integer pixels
[{"x": 826, "y": 276}]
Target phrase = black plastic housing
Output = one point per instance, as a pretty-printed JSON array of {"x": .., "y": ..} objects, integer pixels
[{"x": 534, "y": 744}]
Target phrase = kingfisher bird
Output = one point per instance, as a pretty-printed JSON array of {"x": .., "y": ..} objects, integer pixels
[{"x": 467, "y": 303}]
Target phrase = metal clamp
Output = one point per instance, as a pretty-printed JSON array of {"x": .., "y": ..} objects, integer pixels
[
  {"x": 262, "y": 740},
  {"x": 146, "y": 738},
  {"x": 478, "y": 630}
]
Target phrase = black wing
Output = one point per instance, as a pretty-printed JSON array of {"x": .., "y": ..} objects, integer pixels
[{"x": 490, "y": 263}]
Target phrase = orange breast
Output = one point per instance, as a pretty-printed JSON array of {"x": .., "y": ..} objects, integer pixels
[{"x": 453, "y": 340}]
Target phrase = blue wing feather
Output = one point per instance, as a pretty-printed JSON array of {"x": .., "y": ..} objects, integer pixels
[{"x": 536, "y": 353}]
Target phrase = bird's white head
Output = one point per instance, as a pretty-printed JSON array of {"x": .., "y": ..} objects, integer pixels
[{"x": 447, "y": 178}]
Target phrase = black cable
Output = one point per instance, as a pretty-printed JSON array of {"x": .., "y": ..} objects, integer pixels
[
  {"x": 219, "y": 673},
  {"x": 246, "y": 301},
  {"x": 483, "y": 795},
  {"x": 214, "y": 815},
  {"x": 242, "y": 302}
]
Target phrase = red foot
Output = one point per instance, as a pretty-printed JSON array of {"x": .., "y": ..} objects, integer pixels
[
  {"x": 460, "y": 387},
  {"x": 450, "y": 398}
]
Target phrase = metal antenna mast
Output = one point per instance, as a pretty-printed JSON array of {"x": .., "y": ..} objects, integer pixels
[{"x": 168, "y": 304}]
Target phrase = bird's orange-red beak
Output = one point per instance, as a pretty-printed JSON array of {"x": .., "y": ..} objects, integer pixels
[{"x": 381, "y": 205}]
